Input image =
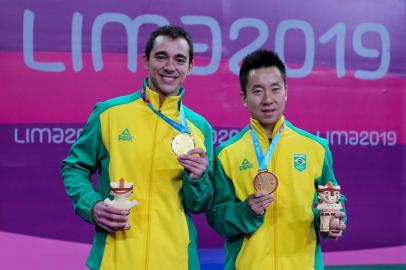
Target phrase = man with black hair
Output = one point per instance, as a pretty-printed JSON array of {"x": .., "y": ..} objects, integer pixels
[
  {"x": 161, "y": 147},
  {"x": 266, "y": 177}
]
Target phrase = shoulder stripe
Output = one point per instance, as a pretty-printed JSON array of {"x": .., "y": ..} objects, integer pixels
[
  {"x": 233, "y": 139},
  {"x": 304, "y": 133},
  {"x": 199, "y": 121},
  {"x": 100, "y": 107}
]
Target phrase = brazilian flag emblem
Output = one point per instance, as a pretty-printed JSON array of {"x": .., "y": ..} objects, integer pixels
[{"x": 299, "y": 160}]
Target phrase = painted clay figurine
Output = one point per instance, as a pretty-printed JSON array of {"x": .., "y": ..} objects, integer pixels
[
  {"x": 328, "y": 205},
  {"x": 121, "y": 192}
]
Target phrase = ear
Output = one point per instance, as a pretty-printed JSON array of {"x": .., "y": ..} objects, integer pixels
[
  {"x": 243, "y": 97},
  {"x": 145, "y": 61},
  {"x": 189, "y": 71},
  {"x": 286, "y": 92}
]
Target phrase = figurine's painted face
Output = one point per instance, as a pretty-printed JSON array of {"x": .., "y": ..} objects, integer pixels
[{"x": 329, "y": 196}]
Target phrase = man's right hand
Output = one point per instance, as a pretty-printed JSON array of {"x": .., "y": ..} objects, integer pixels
[
  {"x": 109, "y": 218},
  {"x": 259, "y": 201}
]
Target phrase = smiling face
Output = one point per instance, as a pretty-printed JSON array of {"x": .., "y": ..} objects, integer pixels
[
  {"x": 168, "y": 65},
  {"x": 329, "y": 197},
  {"x": 265, "y": 96}
]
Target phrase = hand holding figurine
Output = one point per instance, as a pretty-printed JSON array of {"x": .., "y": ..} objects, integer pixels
[
  {"x": 331, "y": 219},
  {"x": 121, "y": 192},
  {"x": 110, "y": 218},
  {"x": 336, "y": 229}
]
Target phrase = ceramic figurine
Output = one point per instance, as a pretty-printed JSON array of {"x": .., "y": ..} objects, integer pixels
[
  {"x": 328, "y": 205},
  {"x": 121, "y": 192}
]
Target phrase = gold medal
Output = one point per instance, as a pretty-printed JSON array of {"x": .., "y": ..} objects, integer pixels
[
  {"x": 265, "y": 181},
  {"x": 182, "y": 143}
]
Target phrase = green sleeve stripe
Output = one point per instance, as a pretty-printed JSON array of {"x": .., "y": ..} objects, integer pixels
[
  {"x": 232, "y": 247},
  {"x": 193, "y": 260},
  {"x": 318, "y": 258},
  {"x": 80, "y": 164},
  {"x": 82, "y": 159},
  {"x": 232, "y": 140},
  {"x": 199, "y": 121},
  {"x": 96, "y": 254},
  {"x": 105, "y": 105},
  {"x": 207, "y": 130},
  {"x": 304, "y": 133}
]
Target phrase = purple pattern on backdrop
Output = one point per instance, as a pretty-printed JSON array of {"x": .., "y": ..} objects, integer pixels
[{"x": 43, "y": 190}]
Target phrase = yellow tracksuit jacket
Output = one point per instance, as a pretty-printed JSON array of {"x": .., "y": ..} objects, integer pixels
[
  {"x": 285, "y": 237},
  {"x": 124, "y": 138}
]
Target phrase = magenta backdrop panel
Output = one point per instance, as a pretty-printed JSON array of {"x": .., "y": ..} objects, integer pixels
[{"x": 346, "y": 69}]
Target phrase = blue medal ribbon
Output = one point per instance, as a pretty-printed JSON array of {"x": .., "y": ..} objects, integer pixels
[
  {"x": 263, "y": 161},
  {"x": 181, "y": 126}
]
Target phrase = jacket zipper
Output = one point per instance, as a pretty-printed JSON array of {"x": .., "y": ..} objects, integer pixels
[
  {"x": 150, "y": 195},
  {"x": 275, "y": 217}
]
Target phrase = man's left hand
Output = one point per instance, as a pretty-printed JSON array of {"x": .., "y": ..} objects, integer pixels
[
  {"x": 195, "y": 162},
  {"x": 336, "y": 230}
]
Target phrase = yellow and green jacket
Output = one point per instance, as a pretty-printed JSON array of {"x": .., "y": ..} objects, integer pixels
[
  {"x": 285, "y": 237},
  {"x": 124, "y": 138}
]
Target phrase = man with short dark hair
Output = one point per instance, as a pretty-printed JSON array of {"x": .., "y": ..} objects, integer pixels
[
  {"x": 266, "y": 177},
  {"x": 158, "y": 145}
]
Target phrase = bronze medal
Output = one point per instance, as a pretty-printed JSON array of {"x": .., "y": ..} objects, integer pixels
[
  {"x": 182, "y": 144},
  {"x": 265, "y": 181}
]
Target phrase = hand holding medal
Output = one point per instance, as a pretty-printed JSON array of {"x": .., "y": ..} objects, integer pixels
[
  {"x": 259, "y": 201},
  {"x": 194, "y": 160},
  {"x": 265, "y": 182}
]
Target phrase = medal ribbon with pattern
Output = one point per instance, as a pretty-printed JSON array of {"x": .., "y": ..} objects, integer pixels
[
  {"x": 264, "y": 160},
  {"x": 181, "y": 126},
  {"x": 265, "y": 180},
  {"x": 181, "y": 143}
]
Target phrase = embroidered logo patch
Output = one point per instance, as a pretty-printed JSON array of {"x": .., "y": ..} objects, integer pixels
[
  {"x": 125, "y": 136},
  {"x": 245, "y": 165},
  {"x": 300, "y": 162}
]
